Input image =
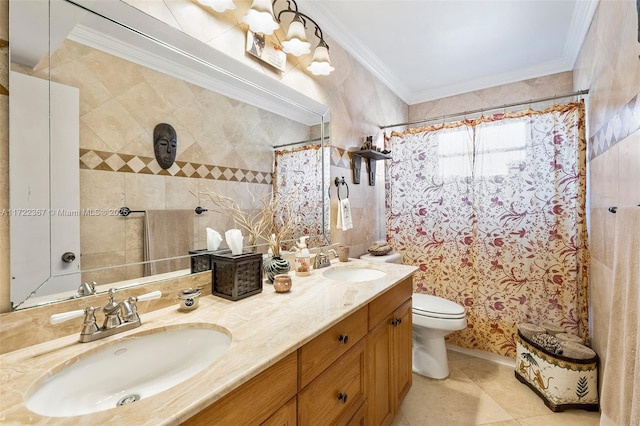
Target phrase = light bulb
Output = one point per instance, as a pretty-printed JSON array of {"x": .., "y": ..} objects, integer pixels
[
  {"x": 260, "y": 17},
  {"x": 321, "y": 65},
  {"x": 296, "y": 42}
]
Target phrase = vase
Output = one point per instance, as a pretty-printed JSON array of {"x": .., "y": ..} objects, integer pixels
[{"x": 275, "y": 265}]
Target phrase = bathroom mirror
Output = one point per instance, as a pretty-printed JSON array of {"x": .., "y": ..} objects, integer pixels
[{"x": 92, "y": 80}]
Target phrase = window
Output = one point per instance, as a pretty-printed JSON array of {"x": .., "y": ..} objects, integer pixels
[{"x": 499, "y": 148}]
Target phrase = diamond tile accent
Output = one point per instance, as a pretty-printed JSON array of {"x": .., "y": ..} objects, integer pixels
[
  {"x": 89, "y": 160},
  {"x": 127, "y": 163},
  {"x": 136, "y": 164},
  {"x": 115, "y": 162},
  {"x": 621, "y": 125}
]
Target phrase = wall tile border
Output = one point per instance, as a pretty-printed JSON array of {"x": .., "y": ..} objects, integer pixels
[
  {"x": 126, "y": 163},
  {"x": 622, "y": 124}
]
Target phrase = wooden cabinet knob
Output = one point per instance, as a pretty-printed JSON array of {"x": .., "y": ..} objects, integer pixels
[
  {"x": 342, "y": 397},
  {"x": 344, "y": 338}
]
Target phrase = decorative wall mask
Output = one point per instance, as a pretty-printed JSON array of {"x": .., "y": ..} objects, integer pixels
[{"x": 165, "y": 144}]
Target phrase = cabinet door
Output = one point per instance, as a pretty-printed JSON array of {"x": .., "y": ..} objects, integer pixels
[
  {"x": 379, "y": 352},
  {"x": 254, "y": 401},
  {"x": 285, "y": 416},
  {"x": 389, "y": 358},
  {"x": 340, "y": 389},
  {"x": 402, "y": 349}
]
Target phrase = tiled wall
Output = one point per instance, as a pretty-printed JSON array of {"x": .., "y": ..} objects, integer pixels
[
  {"x": 358, "y": 103},
  {"x": 223, "y": 146},
  {"x": 609, "y": 65}
]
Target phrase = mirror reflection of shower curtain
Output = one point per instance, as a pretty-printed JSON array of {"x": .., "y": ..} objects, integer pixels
[
  {"x": 298, "y": 180},
  {"x": 492, "y": 212}
]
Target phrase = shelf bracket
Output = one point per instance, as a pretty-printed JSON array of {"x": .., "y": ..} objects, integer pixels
[
  {"x": 370, "y": 158},
  {"x": 356, "y": 166}
]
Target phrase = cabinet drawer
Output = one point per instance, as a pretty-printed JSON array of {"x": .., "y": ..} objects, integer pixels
[
  {"x": 385, "y": 304},
  {"x": 321, "y": 352},
  {"x": 338, "y": 390},
  {"x": 256, "y": 400}
]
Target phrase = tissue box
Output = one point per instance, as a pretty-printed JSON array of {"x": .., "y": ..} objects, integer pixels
[
  {"x": 238, "y": 276},
  {"x": 560, "y": 381},
  {"x": 200, "y": 260}
]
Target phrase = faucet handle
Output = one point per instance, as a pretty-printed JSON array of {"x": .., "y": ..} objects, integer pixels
[
  {"x": 149, "y": 296},
  {"x": 66, "y": 316}
]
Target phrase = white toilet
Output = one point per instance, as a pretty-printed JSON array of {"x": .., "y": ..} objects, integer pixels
[{"x": 433, "y": 318}]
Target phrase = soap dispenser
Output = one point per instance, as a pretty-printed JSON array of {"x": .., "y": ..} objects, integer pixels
[{"x": 303, "y": 258}]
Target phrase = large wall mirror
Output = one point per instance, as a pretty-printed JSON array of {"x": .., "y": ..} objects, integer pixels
[{"x": 89, "y": 82}]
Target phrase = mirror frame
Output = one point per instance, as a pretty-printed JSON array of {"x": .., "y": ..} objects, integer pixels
[{"x": 226, "y": 76}]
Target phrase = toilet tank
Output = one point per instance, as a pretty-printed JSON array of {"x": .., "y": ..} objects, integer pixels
[{"x": 387, "y": 258}]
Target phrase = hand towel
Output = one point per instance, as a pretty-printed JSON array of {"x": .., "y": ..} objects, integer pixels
[
  {"x": 621, "y": 387},
  {"x": 345, "y": 221},
  {"x": 167, "y": 234}
]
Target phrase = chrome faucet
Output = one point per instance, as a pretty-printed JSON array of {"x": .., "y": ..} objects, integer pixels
[
  {"x": 322, "y": 259},
  {"x": 87, "y": 289},
  {"x": 118, "y": 317}
]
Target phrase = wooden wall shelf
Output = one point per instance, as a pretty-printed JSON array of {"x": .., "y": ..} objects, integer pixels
[{"x": 368, "y": 155}]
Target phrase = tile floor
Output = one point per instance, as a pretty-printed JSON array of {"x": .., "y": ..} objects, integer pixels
[{"x": 481, "y": 392}]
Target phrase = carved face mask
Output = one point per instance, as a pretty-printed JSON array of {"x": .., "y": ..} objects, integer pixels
[{"x": 165, "y": 144}]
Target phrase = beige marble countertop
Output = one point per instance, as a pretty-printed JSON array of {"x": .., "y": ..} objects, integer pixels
[{"x": 265, "y": 328}]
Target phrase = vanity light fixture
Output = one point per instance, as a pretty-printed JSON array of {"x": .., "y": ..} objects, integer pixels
[
  {"x": 261, "y": 18},
  {"x": 219, "y": 5}
]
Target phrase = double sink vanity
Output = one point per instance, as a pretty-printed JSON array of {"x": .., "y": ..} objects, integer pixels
[{"x": 336, "y": 349}]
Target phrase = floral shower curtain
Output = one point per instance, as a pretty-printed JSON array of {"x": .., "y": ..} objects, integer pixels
[
  {"x": 492, "y": 211},
  {"x": 298, "y": 179}
]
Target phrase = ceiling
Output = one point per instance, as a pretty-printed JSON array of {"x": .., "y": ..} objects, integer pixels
[{"x": 431, "y": 49}]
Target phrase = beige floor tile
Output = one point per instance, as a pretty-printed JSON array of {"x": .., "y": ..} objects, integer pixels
[
  {"x": 456, "y": 400},
  {"x": 567, "y": 418},
  {"x": 480, "y": 392},
  {"x": 499, "y": 382},
  {"x": 400, "y": 420}
]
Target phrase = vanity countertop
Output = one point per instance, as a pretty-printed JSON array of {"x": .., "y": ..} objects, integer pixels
[{"x": 265, "y": 328}]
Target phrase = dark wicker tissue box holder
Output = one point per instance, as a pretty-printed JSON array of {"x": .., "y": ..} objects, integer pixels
[
  {"x": 200, "y": 260},
  {"x": 235, "y": 277}
]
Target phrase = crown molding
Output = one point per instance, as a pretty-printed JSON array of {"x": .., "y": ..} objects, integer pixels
[
  {"x": 356, "y": 48},
  {"x": 580, "y": 22}
]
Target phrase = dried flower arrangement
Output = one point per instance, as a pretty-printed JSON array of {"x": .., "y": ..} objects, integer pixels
[{"x": 273, "y": 222}]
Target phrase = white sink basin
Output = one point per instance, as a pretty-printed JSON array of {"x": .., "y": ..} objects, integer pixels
[
  {"x": 136, "y": 367},
  {"x": 356, "y": 274}
]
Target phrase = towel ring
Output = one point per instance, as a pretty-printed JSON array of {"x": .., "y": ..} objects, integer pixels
[{"x": 339, "y": 182}]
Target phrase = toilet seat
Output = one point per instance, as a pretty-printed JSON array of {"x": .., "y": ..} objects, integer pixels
[{"x": 436, "y": 307}]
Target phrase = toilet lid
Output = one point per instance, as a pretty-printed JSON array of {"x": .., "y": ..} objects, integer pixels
[{"x": 434, "y": 306}]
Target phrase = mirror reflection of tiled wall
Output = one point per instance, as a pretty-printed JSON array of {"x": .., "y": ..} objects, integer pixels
[{"x": 223, "y": 146}]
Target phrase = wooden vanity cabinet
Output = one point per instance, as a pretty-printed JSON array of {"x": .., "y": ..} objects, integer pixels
[
  {"x": 389, "y": 353},
  {"x": 256, "y": 401},
  {"x": 355, "y": 373}
]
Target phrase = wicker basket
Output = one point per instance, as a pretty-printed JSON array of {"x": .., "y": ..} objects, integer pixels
[
  {"x": 238, "y": 276},
  {"x": 200, "y": 260},
  {"x": 380, "y": 251}
]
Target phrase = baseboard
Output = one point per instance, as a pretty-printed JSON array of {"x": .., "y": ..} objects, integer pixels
[{"x": 499, "y": 359}]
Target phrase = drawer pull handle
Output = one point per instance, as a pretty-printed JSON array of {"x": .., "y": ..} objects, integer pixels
[
  {"x": 344, "y": 338},
  {"x": 396, "y": 321},
  {"x": 342, "y": 397}
]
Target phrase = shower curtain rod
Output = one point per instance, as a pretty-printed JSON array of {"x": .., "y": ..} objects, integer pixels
[
  {"x": 481, "y": 110},
  {"x": 310, "y": 142}
]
